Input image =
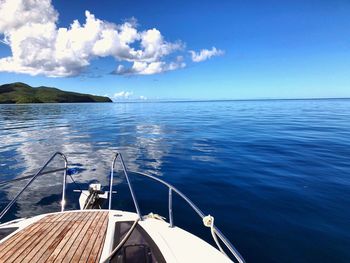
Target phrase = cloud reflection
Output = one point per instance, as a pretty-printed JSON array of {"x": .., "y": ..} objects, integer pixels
[{"x": 143, "y": 149}]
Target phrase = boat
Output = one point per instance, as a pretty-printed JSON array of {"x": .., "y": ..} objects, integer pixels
[{"x": 97, "y": 234}]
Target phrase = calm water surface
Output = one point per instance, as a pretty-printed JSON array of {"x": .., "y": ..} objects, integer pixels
[{"x": 276, "y": 174}]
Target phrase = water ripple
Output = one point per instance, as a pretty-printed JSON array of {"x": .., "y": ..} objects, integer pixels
[{"x": 276, "y": 174}]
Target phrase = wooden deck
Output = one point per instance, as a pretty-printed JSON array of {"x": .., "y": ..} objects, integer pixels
[{"x": 63, "y": 237}]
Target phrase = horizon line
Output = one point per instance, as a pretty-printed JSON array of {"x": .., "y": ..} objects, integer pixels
[{"x": 221, "y": 100}]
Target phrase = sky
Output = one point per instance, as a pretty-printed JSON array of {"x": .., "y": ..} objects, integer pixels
[{"x": 195, "y": 50}]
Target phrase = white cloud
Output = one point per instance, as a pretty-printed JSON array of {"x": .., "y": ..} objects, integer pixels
[
  {"x": 39, "y": 46},
  {"x": 205, "y": 54},
  {"x": 127, "y": 95},
  {"x": 145, "y": 68},
  {"x": 122, "y": 95},
  {"x": 15, "y": 14}
]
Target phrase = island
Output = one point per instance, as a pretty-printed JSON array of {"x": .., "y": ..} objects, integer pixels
[{"x": 22, "y": 93}]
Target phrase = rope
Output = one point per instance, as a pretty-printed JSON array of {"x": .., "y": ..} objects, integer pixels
[
  {"x": 208, "y": 221},
  {"x": 155, "y": 216},
  {"x": 121, "y": 243},
  {"x": 81, "y": 190}
]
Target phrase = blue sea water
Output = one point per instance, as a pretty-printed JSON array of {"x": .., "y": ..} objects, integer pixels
[{"x": 275, "y": 174}]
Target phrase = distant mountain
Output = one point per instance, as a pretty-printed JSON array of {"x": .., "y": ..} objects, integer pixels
[{"x": 22, "y": 93}]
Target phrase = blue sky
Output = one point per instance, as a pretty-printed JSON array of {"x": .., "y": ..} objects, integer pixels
[{"x": 270, "y": 49}]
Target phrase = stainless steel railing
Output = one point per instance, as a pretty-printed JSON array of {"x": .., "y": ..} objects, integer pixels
[
  {"x": 172, "y": 189},
  {"x": 127, "y": 179},
  {"x": 117, "y": 156},
  {"x": 38, "y": 173}
]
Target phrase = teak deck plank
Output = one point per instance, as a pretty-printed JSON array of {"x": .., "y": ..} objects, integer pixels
[
  {"x": 19, "y": 237},
  {"x": 94, "y": 253},
  {"x": 30, "y": 247},
  {"x": 46, "y": 251},
  {"x": 62, "y": 237},
  {"x": 91, "y": 242},
  {"x": 60, "y": 226},
  {"x": 85, "y": 246},
  {"x": 66, "y": 256},
  {"x": 68, "y": 239}
]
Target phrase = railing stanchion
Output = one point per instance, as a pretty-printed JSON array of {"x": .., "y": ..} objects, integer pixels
[
  {"x": 63, "y": 202},
  {"x": 128, "y": 181},
  {"x": 111, "y": 184},
  {"x": 171, "y": 222}
]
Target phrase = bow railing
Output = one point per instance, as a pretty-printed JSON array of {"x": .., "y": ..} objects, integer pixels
[
  {"x": 35, "y": 176},
  {"x": 118, "y": 156},
  {"x": 172, "y": 189}
]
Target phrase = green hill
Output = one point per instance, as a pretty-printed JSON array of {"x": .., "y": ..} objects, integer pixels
[{"x": 22, "y": 93}]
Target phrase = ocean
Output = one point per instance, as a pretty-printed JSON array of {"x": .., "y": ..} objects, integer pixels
[{"x": 274, "y": 173}]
